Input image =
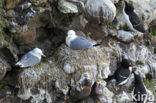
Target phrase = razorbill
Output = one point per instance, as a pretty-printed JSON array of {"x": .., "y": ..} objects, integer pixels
[
  {"x": 123, "y": 72},
  {"x": 132, "y": 18},
  {"x": 31, "y": 58},
  {"x": 78, "y": 42},
  {"x": 139, "y": 91}
]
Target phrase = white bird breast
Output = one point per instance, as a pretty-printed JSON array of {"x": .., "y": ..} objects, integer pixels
[{"x": 127, "y": 20}]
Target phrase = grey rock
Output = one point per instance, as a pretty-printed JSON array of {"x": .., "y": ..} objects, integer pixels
[
  {"x": 142, "y": 54},
  {"x": 102, "y": 92},
  {"x": 4, "y": 67},
  {"x": 10, "y": 13},
  {"x": 125, "y": 36},
  {"x": 102, "y": 11},
  {"x": 123, "y": 97},
  {"x": 67, "y": 7}
]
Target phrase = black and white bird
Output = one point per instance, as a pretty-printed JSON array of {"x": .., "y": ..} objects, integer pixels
[
  {"x": 132, "y": 18},
  {"x": 123, "y": 72},
  {"x": 78, "y": 42},
  {"x": 139, "y": 91},
  {"x": 31, "y": 58}
]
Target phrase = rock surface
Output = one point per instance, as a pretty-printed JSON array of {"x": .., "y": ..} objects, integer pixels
[
  {"x": 102, "y": 11},
  {"x": 73, "y": 76},
  {"x": 125, "y": 36}
]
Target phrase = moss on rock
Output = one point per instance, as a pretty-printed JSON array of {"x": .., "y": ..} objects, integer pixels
[
  {"x": 3, "y": 24},
  {"x": 153, "y": 30},
  {"x": 150, "y": 84}
]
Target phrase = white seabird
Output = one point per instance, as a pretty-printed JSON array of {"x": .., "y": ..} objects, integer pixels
[
  {"x": 78, "y": 42},
  {"x": 31, "y": 58}
]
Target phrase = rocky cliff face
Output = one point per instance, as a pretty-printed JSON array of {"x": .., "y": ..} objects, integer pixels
[{"x": 67, "y": 75}]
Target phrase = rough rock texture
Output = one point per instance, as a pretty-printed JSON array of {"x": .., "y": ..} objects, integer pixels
[
  {"x": 146, "y": 10},
  {"x": 125, "y": 36},
  {"x": 73, "y": 76},
  {"x": 4, "y": 67},
  {"x": 102, "y": 11},
  {"x": 67, "y": 7},
  {"x": 78, "y": 83}
]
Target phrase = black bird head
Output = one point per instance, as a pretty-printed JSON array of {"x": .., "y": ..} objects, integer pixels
[
  {"x": 126, "y": 63},
  {"x": 137, "y": 79},
  {"x": 128, "y": 7}
]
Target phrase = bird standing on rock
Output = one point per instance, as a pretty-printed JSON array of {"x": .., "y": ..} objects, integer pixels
[
  {"x": 123, "y": 72},
  {"x": 132, "y": 18},
  {"x": 78, "y": 42},
  {"x": 139, "y": 91},
  {"x": 31, "y": 58}
]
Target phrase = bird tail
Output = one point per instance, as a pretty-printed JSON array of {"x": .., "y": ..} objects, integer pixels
[
  {"x": 97, "y": 44},
  {"x": 18, "y": 64}
]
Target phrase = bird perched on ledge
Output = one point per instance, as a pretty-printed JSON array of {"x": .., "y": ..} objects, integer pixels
[
  {"x": 132, "y": 18},
  {"x": 123, "y": 72},
  {"x": 139, "y": 91},
  {"x": 31, "y": 58},
  {"x": 78, "y": 42}
]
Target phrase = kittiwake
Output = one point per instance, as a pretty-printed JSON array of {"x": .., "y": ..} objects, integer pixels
[
  {"x": 31, "y": 58},
  {"x": 78, "y": 42}
]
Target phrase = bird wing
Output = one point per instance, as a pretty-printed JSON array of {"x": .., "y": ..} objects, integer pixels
[
  {"x": 134, "y": 19},
  {"x": 80, "y": 43},
  {"x": 137, "y": 24},
  {"x": 121, "y": 74},
  {"x": 28, "y": 60}
]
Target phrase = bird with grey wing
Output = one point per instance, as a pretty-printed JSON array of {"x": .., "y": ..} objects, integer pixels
[
  {"x": 78, "y": 42},
  {"x": 132, "y": 19},
  {"x": 31, "y": 58}
]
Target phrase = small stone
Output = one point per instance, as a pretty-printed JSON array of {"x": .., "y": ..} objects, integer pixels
[
  {"x": 67, "y": 7},
  {"x": 142, "y": 54},
  {"x": 68, "y": 69},
  {"x": 112, "y": 32},
  {"x": 125, "y": 36},
  {"x": 4, "y": 67},
  {"x": 10, "y": 13}
]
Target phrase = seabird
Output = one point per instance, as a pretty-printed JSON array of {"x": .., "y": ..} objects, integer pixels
[
  {"x": 31, "y": 58},
  {"x": 139, "y": 90},
  {"x": 78, "y": 42},
  {"x": 132, "y": 18},
  {"x": 123, "y": 72}
]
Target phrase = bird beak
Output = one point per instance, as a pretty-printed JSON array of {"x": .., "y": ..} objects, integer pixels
[
  {"x": 67, "y": 37},
  {"x": 43, "y": 55},
  {"x": 130, "y": 69}
]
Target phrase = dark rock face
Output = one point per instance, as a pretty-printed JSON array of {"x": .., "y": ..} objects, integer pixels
[{"x": 66, "y": 75}]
